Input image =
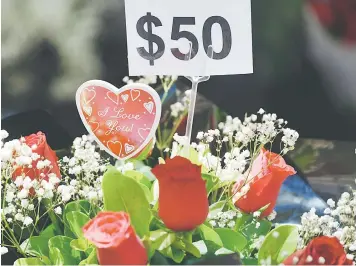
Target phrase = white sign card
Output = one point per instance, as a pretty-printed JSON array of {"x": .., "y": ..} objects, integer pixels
[{"x": 160, "y": 34}]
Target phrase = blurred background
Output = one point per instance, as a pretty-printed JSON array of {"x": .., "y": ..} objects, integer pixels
[{"x": 304, "y": 70}]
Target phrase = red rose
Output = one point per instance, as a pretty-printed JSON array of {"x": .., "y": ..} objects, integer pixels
[
  {"x": 338, "y": 17},
  {"x": 115, "y": 239},
  {"x": 268, "y": 172},
  {"x": 321, "y": 250},
  {"x": 39, "y": 145},
  {"x": 183, "y": 201}
]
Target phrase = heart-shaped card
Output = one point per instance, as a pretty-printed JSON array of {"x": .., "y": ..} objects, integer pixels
[{"x": 123, "y": 121}]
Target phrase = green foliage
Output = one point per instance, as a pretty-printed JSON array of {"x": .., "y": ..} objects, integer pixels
[
  {"x": 133, "y": 192},
  {"x": 76, "y": 221},
  {"x": 208, "y": 233},
  {"x": 161, "y": 239},
  {"x": 82, "y": 206},
  {"x": 66, "y": 254},
  {"x": 177, "y": 255},
  {"x": 211, "y": 182},
  {"x": 91, "y": 259},
  {"x": 143, "y": 181},
  {"x": 56, "y": 256},
  {"x": 123, "y": 193},
  {"x": 37, "y": 246},
  {"x": 51, "y": 249},
  {"x": 231, "y": 240},
  {"x": 279, "y": 243},
  {"x": 29, "y": 261},
  {"x": 48, "y": 232},
  {"x": 80, "y": 244}
]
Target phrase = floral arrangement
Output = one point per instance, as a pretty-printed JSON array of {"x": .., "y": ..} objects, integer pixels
[{"x": 172, "y": 205}]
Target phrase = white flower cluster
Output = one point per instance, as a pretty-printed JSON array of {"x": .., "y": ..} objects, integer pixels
[
  {"x": 84, "y": 171},
  {"x": 225, "y": 219},
  {"x": 339, "y": 221},
  {"x": 181, "y": 106},
  {"x": 19, "y": 189},
  {"x": 243, "y": 140},
  {"x": 263, "y": 128}
]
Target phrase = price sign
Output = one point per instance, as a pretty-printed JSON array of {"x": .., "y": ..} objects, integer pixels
[{"x": 172, "y": 37}]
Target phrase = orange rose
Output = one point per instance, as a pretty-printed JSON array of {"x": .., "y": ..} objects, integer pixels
[
  {"x": 183, "y": 201},
  {"x": 268, "y": 172},
  {"x": 39, "y": 145},
  {"x": 321, "y": 250},
  {"x": 115, "y": 239}
]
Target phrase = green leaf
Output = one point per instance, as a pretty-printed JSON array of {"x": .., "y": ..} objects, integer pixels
[
  {"x": 56, "y": 256},
  {"x": 122, "y": 193},
  {"x": 216, "y": 207},
  {"x": 82, "y": 206},
  {"x": 147, "y": 192},
  {"x": 194, "y": 156},
  {"x": 90, "y": 250},
  {"x": 243, "y": 220},
  {"x": 212, "y": 254},
  {"x": 76, "y": 221},
  {"x": 279, "y": 243},
  {"x": 146, "y": 151},
  {"x": 68, "y": 232},
  {"x": 79, "y": 244},
  {"x": 139, "y": 177},
  {"x": 177, "y": 255},
  {"x": 146, "y": 170},
  {"x": 39, "y": 245},
  {"x": 161, "y": 239},
  {"x": 158, "y": 259},
  {"x": 46, "y": 260},
  {"x": 49, "y": 232},
  {"x": 250, "y": 231},
  {"x": 209, "y": 234},
  {"x": 206, "y": 247},
  {"x": 28, "y": 261},
  {"x": 91, "y": 260},
  {"x": 211, "y": 182},
  {"x": 192, "y": 249},
  {"x": 231, "y": 240},
  {"x": 62, "y": 243}
]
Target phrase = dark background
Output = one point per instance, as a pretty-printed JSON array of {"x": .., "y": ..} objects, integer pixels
[{"x": 302, "y": 70}]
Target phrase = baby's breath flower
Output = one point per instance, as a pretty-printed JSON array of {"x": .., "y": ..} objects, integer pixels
[
  {"x": 272, "y": 215},
  {"x": 4, "y": 250},
  {"x": 27, "y": 221},
  {"x": 58, "y": 210},
  {"x": 256, "y": 214}
]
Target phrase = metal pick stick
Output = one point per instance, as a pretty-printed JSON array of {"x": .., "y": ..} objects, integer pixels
[{"x": 193, "y": 95}]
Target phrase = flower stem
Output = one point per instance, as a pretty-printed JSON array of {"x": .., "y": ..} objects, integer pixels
[{"x": 52, "y": 216}]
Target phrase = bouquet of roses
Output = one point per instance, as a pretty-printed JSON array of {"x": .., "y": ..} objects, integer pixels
[{"x": 207, "y": 202}]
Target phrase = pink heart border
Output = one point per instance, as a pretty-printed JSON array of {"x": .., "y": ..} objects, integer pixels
[{"x": 115, "y": 90}]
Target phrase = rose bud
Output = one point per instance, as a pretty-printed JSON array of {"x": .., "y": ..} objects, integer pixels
[
  {"x": 38, "y": 144},
  {"x": 183, "y": 202},
  {"x": 268, "y": 172},
  {"x": 321, "y": 250},
  {"x": 115, "y": 239}
]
